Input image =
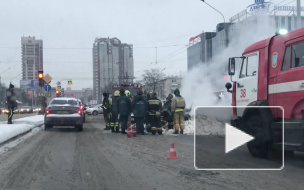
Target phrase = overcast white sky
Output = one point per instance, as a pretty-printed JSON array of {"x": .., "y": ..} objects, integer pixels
[{"x": 65, "y": 25}]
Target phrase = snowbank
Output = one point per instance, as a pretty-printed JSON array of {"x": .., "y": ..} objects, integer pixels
[
  {"x": 208, "y": 126},
  {"x": 19, "y": 126},
  {"x": 204, "y": 126}
]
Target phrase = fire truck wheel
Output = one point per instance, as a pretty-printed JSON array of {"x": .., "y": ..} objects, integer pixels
[{"x": 257, "y": 147}]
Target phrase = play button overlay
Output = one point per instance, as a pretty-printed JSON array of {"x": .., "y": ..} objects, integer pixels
[
  {"x": 235, "y": 138},
  {"x": 224, "y": 142}
]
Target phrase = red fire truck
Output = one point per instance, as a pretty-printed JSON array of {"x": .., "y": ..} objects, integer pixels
[
  {"x": 271, "y": 74},
  {"x": 133, "y": 88}
]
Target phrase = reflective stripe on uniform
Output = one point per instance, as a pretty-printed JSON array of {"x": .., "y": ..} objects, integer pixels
[
  {"x": 179, "y": 110},
  {"x": 154, "y": 102},
  {"x": 153, "y": 128},
  {"x": 11, "y": 115}
]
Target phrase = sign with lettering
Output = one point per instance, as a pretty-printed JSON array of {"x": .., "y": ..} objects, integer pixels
[{"x": 260, "y": 6}]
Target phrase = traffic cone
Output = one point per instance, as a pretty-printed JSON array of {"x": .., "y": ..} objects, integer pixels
[
  {"x": 172, "y": 154},
  {"x": 134, "y": 131},
  {"x": 129, "y": 135}
]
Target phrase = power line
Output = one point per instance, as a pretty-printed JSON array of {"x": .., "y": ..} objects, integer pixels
[
  {"x": 289, "y": 2},
  {"x": 280, "y": 2},
  {"x": 162, "y": 60}
]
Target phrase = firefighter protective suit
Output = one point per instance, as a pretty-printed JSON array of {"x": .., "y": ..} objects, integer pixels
[
  {"x": 177, "y": 108},
  {"x": 106, "y": 110},
  {"x": 113, "y": 116},
  {"x": 154, "y": 112}
]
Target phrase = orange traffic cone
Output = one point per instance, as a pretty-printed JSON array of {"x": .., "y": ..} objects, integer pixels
[{"x": 172, "y": 154}]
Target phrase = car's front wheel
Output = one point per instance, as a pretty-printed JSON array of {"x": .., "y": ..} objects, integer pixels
[
  {"x": 257, "y": 147},
  {"x": 95, "y": 113}
]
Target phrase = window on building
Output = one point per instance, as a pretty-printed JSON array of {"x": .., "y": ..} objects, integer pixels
[
  {"x": 297, "y": 55},
  {"x": 286, "y": 63}
]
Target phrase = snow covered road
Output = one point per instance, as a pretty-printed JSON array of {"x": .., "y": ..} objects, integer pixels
[{"x": 96, "y": 159}]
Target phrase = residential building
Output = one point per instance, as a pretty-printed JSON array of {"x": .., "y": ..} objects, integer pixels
[
  {"x": 32, "y": 57},
  {"x": 112, "y": 65}
]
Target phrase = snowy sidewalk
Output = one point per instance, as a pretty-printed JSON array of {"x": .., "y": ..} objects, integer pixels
[{"x": 19, "y": 126}]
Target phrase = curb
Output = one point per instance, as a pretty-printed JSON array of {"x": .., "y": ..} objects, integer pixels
[{"x": 20, "y": 135}]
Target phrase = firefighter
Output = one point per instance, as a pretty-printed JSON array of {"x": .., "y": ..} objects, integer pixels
[
  {"x": 166, "y": 113},
  {"x": 154, "y": 110},
  {"x": 114, "y": 123},
  {"x": 11, "y": 102},
  {"x": 128, "y": 94},
  {"x": 139, "y": 108},
  {"x": 106, "y": 110},
  {"x": 124, "y": 110},
  {"x": 147, "y": 118},
  {"x": 177, "y": 108}
]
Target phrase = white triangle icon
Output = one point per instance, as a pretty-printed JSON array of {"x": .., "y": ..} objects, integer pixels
[{"x": 235, "y": 138}]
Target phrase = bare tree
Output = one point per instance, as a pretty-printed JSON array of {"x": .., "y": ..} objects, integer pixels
[{"x": 152, "y": 77}]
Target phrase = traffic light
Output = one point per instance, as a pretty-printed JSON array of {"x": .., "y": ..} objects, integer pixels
[
  {"x": 58, "y": 93},
  {"x": 41, "y": 78}
]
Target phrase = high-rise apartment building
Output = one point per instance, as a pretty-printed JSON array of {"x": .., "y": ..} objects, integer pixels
[
  {"x": 112, "y": 65},
  {"x": 32, "y": 57}
]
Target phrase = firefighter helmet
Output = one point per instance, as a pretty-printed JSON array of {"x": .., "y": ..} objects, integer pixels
[
  {"x": 176, "y": 91},
  {"x": 127, "y": 92},
  {"x": 116, "y": 93}
]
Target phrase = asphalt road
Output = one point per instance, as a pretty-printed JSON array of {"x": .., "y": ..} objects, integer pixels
[
  {"x": 96, "y": 159},
  {"x": 3, "y": 117}
]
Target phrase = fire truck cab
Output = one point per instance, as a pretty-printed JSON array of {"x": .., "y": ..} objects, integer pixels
[{"x": 271, "y": 74}]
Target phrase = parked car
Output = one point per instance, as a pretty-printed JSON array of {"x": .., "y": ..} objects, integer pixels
[
  {"x": 63, "y": 111},
  {"x": 97, "y": 109},
  {"x": 26, "y": 109}
]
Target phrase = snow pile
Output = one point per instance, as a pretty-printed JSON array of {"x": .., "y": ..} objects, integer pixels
[
  {"x": 32, "y": 120},
  {"x": 204, "y": 126},
  {"x": 11, "y": 144},
  {"x": 9, "y": 131},
  {"x": 19, "y": 126},
  {"x": 208, "y": 126}
]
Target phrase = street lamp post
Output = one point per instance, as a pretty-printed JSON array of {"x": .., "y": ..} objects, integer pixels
[
  {"x": 225, "y": 28},
  {"x": 214, "y": 9}
]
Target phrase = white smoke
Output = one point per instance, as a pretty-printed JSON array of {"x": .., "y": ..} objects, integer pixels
[{"x": 200, "y": 83}]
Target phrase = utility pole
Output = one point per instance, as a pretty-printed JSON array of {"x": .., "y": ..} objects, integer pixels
[{"x": 298, "y": 14}]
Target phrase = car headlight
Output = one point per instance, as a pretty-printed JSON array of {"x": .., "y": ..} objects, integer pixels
[{"x": 21, "y": 109}]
